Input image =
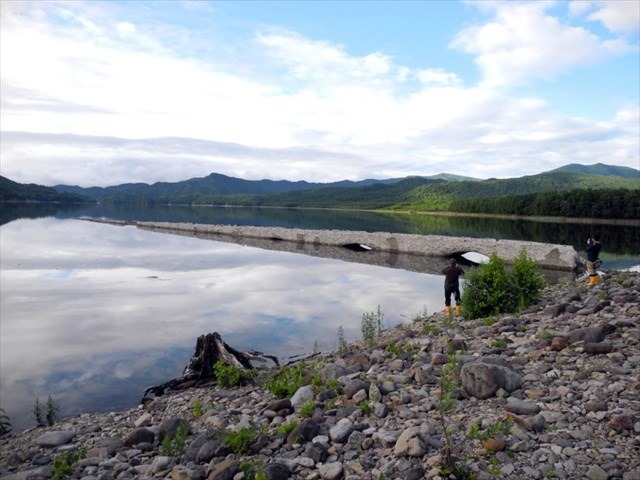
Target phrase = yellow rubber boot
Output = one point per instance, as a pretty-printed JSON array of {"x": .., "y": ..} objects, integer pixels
[
  {"x": 458, "y": 309},
  {"x": 447, "y": 311}
]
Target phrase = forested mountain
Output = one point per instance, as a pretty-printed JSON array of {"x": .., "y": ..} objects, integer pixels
[
  {"x": 213, "y": 184},
  {"x": 11, "y": 191},
  {"x": 600, "y": 169},
  {"x": 575, "y": 190},
  {"x": 440, "y": 196},
  {"x": 98, "y": 192}
]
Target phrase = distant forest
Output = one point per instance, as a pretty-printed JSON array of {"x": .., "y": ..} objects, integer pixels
[{"x": 618, "y": 204}]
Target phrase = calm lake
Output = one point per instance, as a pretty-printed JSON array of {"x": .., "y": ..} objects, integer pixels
[{"x": 92, "y": 314}]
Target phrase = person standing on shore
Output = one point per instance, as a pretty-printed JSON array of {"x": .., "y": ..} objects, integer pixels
[
  {"x": 593, "y": 252},
  {"x": 452, "y": 274}
]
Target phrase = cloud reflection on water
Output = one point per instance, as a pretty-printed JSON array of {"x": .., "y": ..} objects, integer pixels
[{"x": 92, "y": 314}]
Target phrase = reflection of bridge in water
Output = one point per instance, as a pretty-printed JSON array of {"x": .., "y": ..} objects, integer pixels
[{"x": 418, "y": 253}]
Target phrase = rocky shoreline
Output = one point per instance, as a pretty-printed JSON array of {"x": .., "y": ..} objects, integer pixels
[{"x": 565, "y": 374}]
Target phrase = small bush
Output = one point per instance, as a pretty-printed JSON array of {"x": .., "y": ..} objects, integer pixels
[
  {"x": 527, "y": 279},
  {"x": 371, "y": 326},
  {"x": 173, "y": 446},
  {"x": 230, "y": 375},
  {"x": 393, "y": 348},
  {"x": 287, "y": 428},
  {"x": 492, "y": 289},
  {"x": 342, "y": 344},
  {"x": 307, "y": 409},
  {"x": 366, "y": 407},
  {"x": 253, "y": 469},
  {"x": 430, "y": 330},
  {"x": 52, "y": 411},
  {"x": 45, "y": 414},
  {"x": 499, "y": 343},
  {"x": 500, "y": 427},
  {"x": 63, "y": 463},
  {"x": 198, "y": 410},
  {"x": 546, "y": 335},
  {"x": 287, "y": 381},
  {"x": 241, "y": 440}
]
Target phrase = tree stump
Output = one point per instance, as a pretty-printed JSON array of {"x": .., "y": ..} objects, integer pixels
[{"x": 210, "y": 349}]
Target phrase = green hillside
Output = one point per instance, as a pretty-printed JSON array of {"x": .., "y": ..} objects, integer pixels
[
  {"x": 599, "y": 191},
  {"x": 214, "y": 184},
  {"x": 600, "y": 169},
  {"x": 441, "y": 196},
  {"x": 550, "y": 194},
  {"x": 11, "y": 191}
]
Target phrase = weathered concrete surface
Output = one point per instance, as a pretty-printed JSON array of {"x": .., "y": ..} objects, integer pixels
[{"x": 392, "y": 248}]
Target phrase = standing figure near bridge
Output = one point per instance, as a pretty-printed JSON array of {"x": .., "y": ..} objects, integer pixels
[
  {"x": 452, "y": 286},
  {"x": 593, "y": 252}
]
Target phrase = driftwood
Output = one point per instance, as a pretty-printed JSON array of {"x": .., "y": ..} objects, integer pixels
[{"x": 199, "y": 370}]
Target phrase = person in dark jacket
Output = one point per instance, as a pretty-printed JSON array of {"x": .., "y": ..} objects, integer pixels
[
  {"x": 452, "y": 285},
  {"x": 593, "y": 253}
]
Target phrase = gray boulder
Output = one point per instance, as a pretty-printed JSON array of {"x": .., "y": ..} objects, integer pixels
[{"x": 483, "y": 377}]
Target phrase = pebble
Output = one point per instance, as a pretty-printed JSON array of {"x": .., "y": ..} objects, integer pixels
[{"x": 569, "y": 378}]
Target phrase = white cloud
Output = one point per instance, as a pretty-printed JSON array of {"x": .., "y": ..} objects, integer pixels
[
  {"x": 522, "y": 42},
  {"x": 437, "y": 76},
  {"x": 324, "y": 63},
  {"x": 125, "y": 29},
  {"x": 621, "y": 16}
]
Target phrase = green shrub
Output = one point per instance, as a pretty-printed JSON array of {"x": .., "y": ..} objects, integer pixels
[
  {"x": 546, "y": 335},
  {"x": 52, "y": 411},
  {"x": 287, "y": 381},
  {"x": 487, "y": 322},
  {"x": 307, "y": 409},
  {"x": 527, "y": 279},
  {"x": 492, "y": 289},
  {"x": 198, "y": 409},
  {"x": 430, "y": 330},
  {"x": 342, "y": 344},
  {"x": 287, "y": 428},
  {"x": 63, "y": 463},
  {"x": 500, "y": 427},
  {"x": 393, "y": 348},
  {"x": 173, "y": 446},
  {"x": 366, "y": 407},
  {"x": 499, "y": 343},
  {"x": 371, "y": 326},
  {"x": 45, "y": 414},
  {"x": 241, "y": 440},
  {"x": 253, "y": 469},
  {"x": 230, "y": 375}
]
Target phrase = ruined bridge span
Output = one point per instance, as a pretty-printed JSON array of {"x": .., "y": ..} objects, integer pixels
[{"x": 422, "y": 253}]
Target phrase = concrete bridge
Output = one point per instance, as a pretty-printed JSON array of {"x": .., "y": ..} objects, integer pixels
[{"x": 422, "y": 253}]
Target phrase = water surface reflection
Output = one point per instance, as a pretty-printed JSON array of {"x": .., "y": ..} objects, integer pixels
[{"x": 91, "y": 314}]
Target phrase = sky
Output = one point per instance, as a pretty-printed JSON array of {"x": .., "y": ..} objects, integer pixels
[{"x": 100, "y": 93}]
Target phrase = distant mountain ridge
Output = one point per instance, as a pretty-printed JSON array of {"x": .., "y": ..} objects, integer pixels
[
  {"x": 600, "y": 169},
  {"x": 574, "y": 190},
  {"x": 11, "y": 191},
  {"x": 219, "y": 184}
]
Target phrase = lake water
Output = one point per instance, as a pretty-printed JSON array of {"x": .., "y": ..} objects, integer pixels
[{"x": 92, "y": 314}]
